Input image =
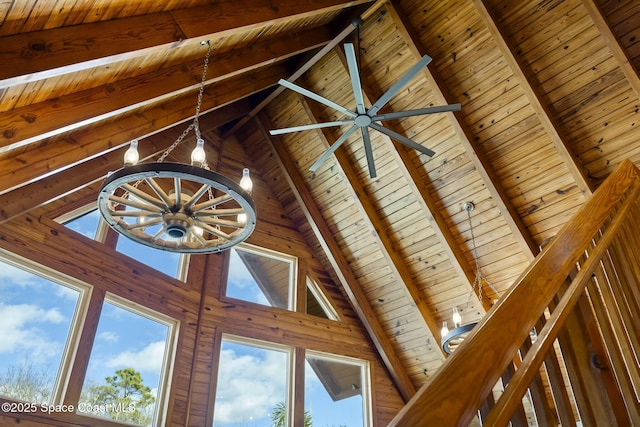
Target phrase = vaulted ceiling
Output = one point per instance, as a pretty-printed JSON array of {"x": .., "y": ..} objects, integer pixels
[{"x": 549, "y": 93}]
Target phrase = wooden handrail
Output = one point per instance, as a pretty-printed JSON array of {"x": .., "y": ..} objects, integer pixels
[{"x": 456, "y": 391}]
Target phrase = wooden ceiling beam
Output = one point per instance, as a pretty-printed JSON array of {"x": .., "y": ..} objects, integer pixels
[
  {"x": 518, "y": 67},
  {"x": 100, "y": 139},
  {"x": 374, "y": 223},
  {"x": 466, "y": 137},
  {"x": 625, "y": 62},
  {"x": 42, "y": 54},
  {"x": 31, "y": 123},
  {"x": 91, "y": 172},
  {"x": 348, "y": 29},
  {"x": 420, "y": 188},
  {"x": 341, "y": 267}
]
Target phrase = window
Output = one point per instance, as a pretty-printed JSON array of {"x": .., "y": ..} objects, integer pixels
[
  {"x": 38, "y": 329},
  {"x": 84, "y": 221},
  {"x": 129, "y": 364},
  {"x": 255, "y": 384},
  {"x": 317, "y": 302},
  {"x": 261, "y": 276},
  {"x": 167, "y": 262},
  {"x": 252, "y": 385},
  {"x": 336, "y": 390},
  {"x": 87, "y": 221}
]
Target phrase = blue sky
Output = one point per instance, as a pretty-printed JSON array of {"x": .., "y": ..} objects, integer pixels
[{"x": 37, "y": 315}]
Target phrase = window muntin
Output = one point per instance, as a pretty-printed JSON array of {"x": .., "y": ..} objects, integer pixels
[
  {"x": 129, "y": 337},
  {"x": 40, "y": 311},
  {"x": 262, "y": 277},
  {"x": 252, "y": 385},
  {"x": 337, "y": 390}
]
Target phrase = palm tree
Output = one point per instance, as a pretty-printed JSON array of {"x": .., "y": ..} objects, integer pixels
[{"x": 279, "y": 416}]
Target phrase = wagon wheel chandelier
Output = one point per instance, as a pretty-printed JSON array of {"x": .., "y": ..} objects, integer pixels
[{"x": 178, "y": 207}]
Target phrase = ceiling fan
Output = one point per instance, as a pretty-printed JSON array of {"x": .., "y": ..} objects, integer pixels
[{"x": 363, "y": 118}]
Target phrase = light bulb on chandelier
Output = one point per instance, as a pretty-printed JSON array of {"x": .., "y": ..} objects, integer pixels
[
  {"x": 131, "y": 156},
  {"x": 179, "y": 207}
]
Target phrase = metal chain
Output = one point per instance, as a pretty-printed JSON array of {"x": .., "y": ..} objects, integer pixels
[
  {"x": 176, "y": 143},
  {"x": 195, "y": 125},
  {"x": 201, "y": 90},
  {"x": 479, "y": 276}
]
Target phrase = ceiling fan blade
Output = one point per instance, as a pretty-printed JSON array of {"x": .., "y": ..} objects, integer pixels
[
  {"x": 402, "y": 139},
  {"x": 333, "y": 148},
  {"x": 418, "y": 112},
  {"x": 366, "y": 138},
  {"x": 308, "y": 127},
  {"x": 399, "y": 85},
  {"x": 352, "y": 62},
  {"x": 316, "y": 97}
]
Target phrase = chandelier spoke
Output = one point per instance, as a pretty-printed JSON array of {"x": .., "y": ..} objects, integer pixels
[
  {"x": 198, "y": 237},
  {"x": 158, "y": 234},
  {"x": 134, "y": 214},
  {"x": 144, "y": 196},
  {"x": 218, "y": 212},
  {"x": 220, "y": 222},
  {"x": 177, "y": 186},
  {"x": 216, "y": 231},
  {"x": 159, "y": 191},
  {"x": 134, "y": 204},
  {"x": 211, "y": 203},
  {"x": 201, "y": 191},
  {"x": 145, "y": 224}
]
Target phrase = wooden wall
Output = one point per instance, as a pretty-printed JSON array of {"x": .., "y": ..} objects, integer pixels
[{"x": 202, "y": 314}]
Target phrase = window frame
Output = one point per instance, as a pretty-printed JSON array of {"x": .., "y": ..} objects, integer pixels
[
  {"x": 72, "y": 343},
  {"x": 324, "y": 301},
  {"x": 168, "y": 360},
  {"x": 274, "y": 255},
  {"x": 365, "y": 373},
  {"x": 262, "y": 344}
]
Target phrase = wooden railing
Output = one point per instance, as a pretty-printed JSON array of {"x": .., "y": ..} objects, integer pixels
[{"x": 563, "y": 345}]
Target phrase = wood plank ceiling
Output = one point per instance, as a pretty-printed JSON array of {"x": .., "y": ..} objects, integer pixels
[{"x": 549, "y": 92}]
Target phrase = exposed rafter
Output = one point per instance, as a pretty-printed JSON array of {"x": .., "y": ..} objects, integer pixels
[
  {"x": 510, "y": 215},
  {"x": 377, "y": 227},
  {"x": 341, "y": 267},
  {"x": 102, "y": 138},
  {"x": 90, "y": 45},
  {"x": 625, "y": 61},
  {"x": 31, "y": 123},
  {"x": 420, "y": 188},
  {"x": 542, "y": 110}
]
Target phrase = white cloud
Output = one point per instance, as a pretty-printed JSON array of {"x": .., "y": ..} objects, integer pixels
[
  {"x": 249, "y": 387},
  {"x": 108, "y": 336},
  {"x": 67, "y": 293},
  {"x": 149, "y": 359},
  {"x": 16, "y": 275},
  {"x": 238, "y": 272},
  {"x": 85, "y": 224},
  {"x": 21, "y": 331}
]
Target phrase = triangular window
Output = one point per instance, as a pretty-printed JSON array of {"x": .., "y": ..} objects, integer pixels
[
  {"x": 317, "y": 302},
  {"x": 262, "y": 277}
]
